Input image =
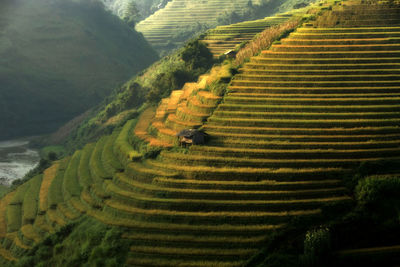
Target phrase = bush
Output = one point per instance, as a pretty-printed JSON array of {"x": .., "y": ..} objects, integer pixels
[
  {"x": 370, "y": 168},
  {"x": 197, "y": 56},
  {"x": 197, "y": 60},
  {"x": 378, "y": 191},
  {"x": 317, "y": 247},
  {"x": 86, "y": 242},
  {"x": 166, "y": 82}
]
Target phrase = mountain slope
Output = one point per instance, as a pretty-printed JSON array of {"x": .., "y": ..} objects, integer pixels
[
  {"x": 58, "y": 59},
  {"x": 295, "y": 121},
  {"x": 169, "y": 27}
]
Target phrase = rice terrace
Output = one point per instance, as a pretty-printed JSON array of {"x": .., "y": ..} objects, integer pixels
[{"x": 300, "y": 166}]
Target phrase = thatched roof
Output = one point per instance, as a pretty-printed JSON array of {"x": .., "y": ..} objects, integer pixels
[{"x": 195, "y": 135}]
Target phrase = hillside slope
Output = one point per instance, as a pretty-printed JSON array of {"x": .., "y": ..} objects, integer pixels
[
  {"x": 169, "y": 27},
  {"x": 136, "y": 9},
  {"x": 58, "y": 59},
  {"x": 296, "y": 120}
]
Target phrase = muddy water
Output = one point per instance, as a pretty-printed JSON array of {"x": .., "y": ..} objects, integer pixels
[{"x": 16, "y": 159}]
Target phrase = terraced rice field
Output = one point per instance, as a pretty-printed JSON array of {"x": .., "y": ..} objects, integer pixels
[
  {"x": 296, "y": 119},
  {"x": 225, "y": 38},
  {"x": 185, "y": 108},
  {"x": 161, "y": 28}
]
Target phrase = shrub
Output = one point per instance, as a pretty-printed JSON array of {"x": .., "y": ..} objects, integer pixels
[
  {"x": 218, "y": 88},
  {"x": 197, "y": 56},
  {"x": 317, "y": 246},
  {"x": 86, "y": 242},
  {"x": 377, "y": 191},
  {"x": 370, "y": 168},
  {"x": 167, "y": 81}
]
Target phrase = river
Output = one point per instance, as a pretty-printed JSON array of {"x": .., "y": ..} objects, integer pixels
[{"x": 16, "y": 159}]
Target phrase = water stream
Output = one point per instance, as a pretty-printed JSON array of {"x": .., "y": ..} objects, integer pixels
[{"x": 16, "y": 159}]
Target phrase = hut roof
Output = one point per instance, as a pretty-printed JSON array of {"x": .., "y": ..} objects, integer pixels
[
  {"x": 188, "y": 133},
  {"x": 193, "y": 134}
]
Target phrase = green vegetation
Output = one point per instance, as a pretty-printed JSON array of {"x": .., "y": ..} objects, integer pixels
[
  {"x": 85, "y": 178},
  {"x": 316, "y": 247},
  {"x": 53, "y": 152},
  {"x": 97, "y": 169},
  {"x": 55, "y": 194},
  {"x": 30, "y": 205},
  {"x": 14, "y": 209},
  {"x": 71, "y": 186},
  {"x": 196, "y": 59},
  {"x": 379, "y": 194},
  {"x": 86, "y": 242},
  {"x": 109, "y": 159},
  {"x": 51, "y": 55},
  {"x": 123, "y": 148}
]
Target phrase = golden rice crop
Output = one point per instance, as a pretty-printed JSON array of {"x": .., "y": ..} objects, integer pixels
[{"x": 264, "y": 40}]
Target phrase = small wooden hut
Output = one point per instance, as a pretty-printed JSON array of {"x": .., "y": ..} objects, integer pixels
[{"x": 191, "y": 137}]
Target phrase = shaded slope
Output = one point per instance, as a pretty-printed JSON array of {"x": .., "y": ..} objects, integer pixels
[{"x": 52, "y": 55}]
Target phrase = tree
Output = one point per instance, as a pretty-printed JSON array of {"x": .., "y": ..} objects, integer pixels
[
  {"x": 131, "y": 14},
  {"x": 197, "y": 56}
]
